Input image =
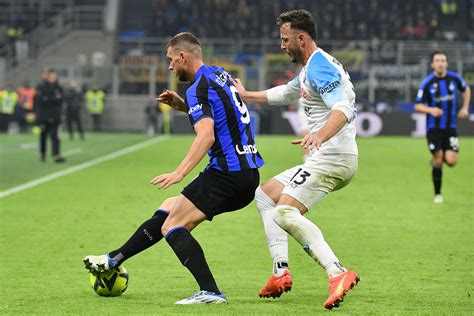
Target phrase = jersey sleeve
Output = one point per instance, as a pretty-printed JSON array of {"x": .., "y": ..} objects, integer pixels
[
  {"x": 422, "y": 95},
  {"x": 461, "y": 84},
  {"x": 197, "y": 100},
  {"x": 326, "y": 80},
  {"x": 284, "y": 94}
]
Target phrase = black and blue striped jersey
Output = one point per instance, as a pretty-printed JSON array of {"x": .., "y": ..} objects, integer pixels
[
  {"x": 213, "y": 95},
  {"x": 441, "y": 92}
]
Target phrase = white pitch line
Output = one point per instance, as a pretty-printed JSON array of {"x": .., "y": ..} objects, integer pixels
[{"x": 82, "y": 166}]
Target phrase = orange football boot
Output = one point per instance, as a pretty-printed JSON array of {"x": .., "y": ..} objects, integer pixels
[
  {"x": 276, "y": 285},
  {"x": 338, "y": 286}
]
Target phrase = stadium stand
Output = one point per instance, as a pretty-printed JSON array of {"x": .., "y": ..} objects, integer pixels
[{"x": 120, "y": 45}]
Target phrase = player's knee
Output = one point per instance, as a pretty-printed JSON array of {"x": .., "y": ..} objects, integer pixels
[
  {"x": 437, "y": 162},
  {"x": 168, "y": 203},
  {"x": 451, "y": 162},
  {"x": 285, "y": 216},
  {"x": 166, "y": 227},
  {"x": 262, "y": 200}
]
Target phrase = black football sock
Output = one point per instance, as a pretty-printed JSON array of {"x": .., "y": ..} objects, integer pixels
[
  {"x": 437, "y": 175},
  {"x": 192, "y": 257},
  {"x": 148, "y": 234}
]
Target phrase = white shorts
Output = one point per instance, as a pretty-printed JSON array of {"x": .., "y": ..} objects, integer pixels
[{"x": 318, "y": 176}]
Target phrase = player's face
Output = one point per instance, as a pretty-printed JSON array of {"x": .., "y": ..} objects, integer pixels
[
  {"x": 289, "y": 43},
  {"x": 52, "y": 77},
  {"x": 176, "y": 64},
  {"x": 440, "y": 63}
]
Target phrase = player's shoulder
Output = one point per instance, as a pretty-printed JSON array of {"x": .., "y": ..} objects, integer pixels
[
  {"x": 454, "y": 74},
  {"x": 429, "y": 78},
  {"x": 323, "y": 69},
  {"x": 200, "y": 84},
  {"x": 321, "y": 61},
  {"x": 218, "y": 76}
]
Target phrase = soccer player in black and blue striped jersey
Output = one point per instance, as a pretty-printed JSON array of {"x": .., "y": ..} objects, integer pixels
[
  {"x": 222, "y": 124},
  {"x": 437, "y": 97}
]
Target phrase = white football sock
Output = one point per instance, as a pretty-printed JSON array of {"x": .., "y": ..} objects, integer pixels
[
  {"x": 277, "y": 238},
  {"x": 308, "y": 235}
]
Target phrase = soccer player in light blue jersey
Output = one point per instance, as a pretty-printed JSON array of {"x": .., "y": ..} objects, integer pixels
[{"x": 325, "y": 89}]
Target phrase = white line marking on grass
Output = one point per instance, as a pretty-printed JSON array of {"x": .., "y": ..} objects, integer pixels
[
  {"x": 29, "y": 146},
  {"x": 83, "y": 165}
]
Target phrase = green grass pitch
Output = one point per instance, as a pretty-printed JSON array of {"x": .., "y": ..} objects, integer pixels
[{"x": 413, "y": 257}]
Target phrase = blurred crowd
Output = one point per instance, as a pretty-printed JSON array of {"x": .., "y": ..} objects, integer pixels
[
  {"x": 237, "y": 19},
  {"x": 337, "y": 19}
]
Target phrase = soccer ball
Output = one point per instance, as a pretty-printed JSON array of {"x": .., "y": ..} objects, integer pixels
[{"x": 110, "y": 283}]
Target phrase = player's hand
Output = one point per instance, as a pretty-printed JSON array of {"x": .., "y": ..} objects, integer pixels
[
  {"x": 436, "y": 112},
  {"x": 310, "y": 141},
  {"x": 166, "y": 180},
  {"x": 239, "y": 86},
  {"x": 463, "y": 113},
  {"x": 172, "y": 99}
]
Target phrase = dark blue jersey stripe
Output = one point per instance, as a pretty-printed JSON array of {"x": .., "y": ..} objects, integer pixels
[
  {"x": 212, "y": 95},
  {"x": 441, "y": 93},
  {"x": 444, "y": 104}
]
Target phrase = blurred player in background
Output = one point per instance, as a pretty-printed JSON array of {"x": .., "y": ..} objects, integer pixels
[
  {"x": 74, "y": 103},
  {"x": 325, "y": 89},
  {"x": 437, "y": 97},
  {"x": 48, "y": 102},
  {"x": 222, "y": 125}
]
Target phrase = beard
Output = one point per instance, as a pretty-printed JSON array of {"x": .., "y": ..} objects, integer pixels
[
  {"x": 296, "y": 55},
  {"x": 181, "y": 75}
]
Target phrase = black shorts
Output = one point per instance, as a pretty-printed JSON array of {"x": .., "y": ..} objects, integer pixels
[
  {"x": 442, "y": 139},
  {"x": 215, "y": 192}
]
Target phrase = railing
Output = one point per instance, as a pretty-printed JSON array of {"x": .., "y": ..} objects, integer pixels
[
  {"x": 71, "y": 18},
  {"x": 374, "y": 51}
]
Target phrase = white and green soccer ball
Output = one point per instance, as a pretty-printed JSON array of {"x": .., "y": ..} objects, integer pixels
[{"x": 110, "y": 283}]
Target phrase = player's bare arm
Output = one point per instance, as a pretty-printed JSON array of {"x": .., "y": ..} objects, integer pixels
[
  {"x": 201, "y": 144},
  {"x": 172, "y": 99},
  {"x": 336, "y": 121},
  {"x": 434, "y": 111},
  {"x": 259, "y": 97},
  {"x": 464, "y": 111}
]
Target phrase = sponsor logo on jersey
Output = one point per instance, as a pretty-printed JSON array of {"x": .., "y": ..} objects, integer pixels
[
  {"x": 334, "y": 60},
  {"x": 420, "y": 93},
  {"x": 221, "y": 78},
  {"x": 329, "y": 87},
  {"x": 451, "y": 86},
  {"x": 246, "y": 149},
  {"x": 303, "y": 93},
  {"x": 195, "y": 108},
  {"x": 444, "y": 98}
]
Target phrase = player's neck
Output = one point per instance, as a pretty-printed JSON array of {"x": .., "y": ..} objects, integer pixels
[
  {"x": 440, "y": 74},
  {"x": 194, "y": 68},
  {"x": 308, "y": 52}
]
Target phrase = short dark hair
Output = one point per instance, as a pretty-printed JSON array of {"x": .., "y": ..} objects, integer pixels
[
  {"x": 183, "y": 37},
  {"x": 299, "y": 20},
  {"x": 437, "y": 52}
]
